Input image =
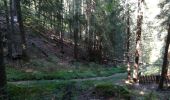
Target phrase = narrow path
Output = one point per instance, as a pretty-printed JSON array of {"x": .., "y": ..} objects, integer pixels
[{"x": 118, "y": 78}]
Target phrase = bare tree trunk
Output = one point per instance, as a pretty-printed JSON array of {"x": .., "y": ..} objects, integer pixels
[
  {"x": 138, "y": 41},
  {"x": 90, "y": 33},
  {"x": 76, "y": 26},
  {"x": 76, "y": 36},
  {"x": 165, "y": 61},
  {"x": 12, "y": 15},
  {"x": 3, "y": 82},
  {"x": 61, "y": 28},
  {"x": 9, "y": 32},
  {"x": 127, "y": 45},
  {"x": 12, "y": 26},
  {"x": 21, "y": 27},
  {"x": 39, "y": 12}
]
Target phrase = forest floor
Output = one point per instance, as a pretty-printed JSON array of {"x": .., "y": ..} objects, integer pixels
[
  {"x": 114, "y": 76},
  {"x": 100, "y": 88},
  {"x": 48, "y": 68},
  {"x": 48, "y": 63},
  {"x": 52, "y": 75}
]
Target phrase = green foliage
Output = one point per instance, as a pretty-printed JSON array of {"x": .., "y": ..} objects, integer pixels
[
  {"x": 109, "y": 25},
  {"x": 109, "y": 90},
  {"x": 165, "y": 15},
  {"x": 21, "y": 92},
  {"x": 57, "y": 90},
  {"x": 106, "y": 21},
  {"x": 14, "y": 74},
  {"x": 151, "y": 96},
  {"x": 81, "y": 71},
  {"x": 151, "y": 70},
  {"x": 34, "y": 92}
]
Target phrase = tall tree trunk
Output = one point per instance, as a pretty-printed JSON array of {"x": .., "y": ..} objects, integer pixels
[
  {"x": 70, "y": 28},
  {"x": 138, "y": 41},
  {"x": 3, "y": 82},
  {"x": 21, "y": 27},
  {"x": 9, "y": 32},
  {"x": 61, "y": 28},
  {"x": 90, "y": 33},
  {"x": 76, "y": 36},
  {"x": 12, "y": 28},
  {"x": 12, "y": 15},
  {"x": 70, "y": 22},
  {"x": 51, "y": 20},
  {"x": 39, "y": 12},
  {"x": 165, "y": 61},
  {"x": 127, "y": 47}
]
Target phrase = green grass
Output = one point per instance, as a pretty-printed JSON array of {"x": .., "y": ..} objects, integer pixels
[
  {"x": 14, "y": 74},
  {"x": 58, "y": 90},
  {"x": 109, "y": 90},
  {"x": 33, "y": 92},
  {"x": 45, "y": 90},
  {"x": 50, "y": 68}
]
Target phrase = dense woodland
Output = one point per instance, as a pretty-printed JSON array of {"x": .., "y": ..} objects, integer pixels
[{"x": 84, "y": 49}]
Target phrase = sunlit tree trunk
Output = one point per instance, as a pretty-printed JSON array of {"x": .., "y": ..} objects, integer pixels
[
  {"x": 138, "y": 40},
  {"x": 127, "y": 46},
  {"x": 21, "y": 27},
  {"x": 165, "y": 61}
]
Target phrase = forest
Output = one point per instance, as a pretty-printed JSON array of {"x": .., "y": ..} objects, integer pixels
[{"x": 84, "y": 49}]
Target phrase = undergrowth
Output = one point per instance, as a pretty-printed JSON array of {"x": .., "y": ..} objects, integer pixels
[{"x": 66, "y": 73}]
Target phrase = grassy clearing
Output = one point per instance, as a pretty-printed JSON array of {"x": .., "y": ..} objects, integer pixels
[
  {"x": 76, "y": 71},
  {"x": 71, "y": 90},
  {"x": 78, "y": 90},
  {"x": 50, "y": 68}
]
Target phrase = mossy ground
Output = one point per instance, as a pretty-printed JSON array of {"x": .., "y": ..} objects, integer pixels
[{"x": 63, "y": 72}]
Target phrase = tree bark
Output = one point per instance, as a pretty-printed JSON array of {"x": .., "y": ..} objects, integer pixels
[
  {"x": 22, "y": 30},
  {"x": 3, "y": 82},
  {"x": 9, "y": 32},
  {"x": 76, "y": 36},
  {"x": 61, "y": 28},
  {"x": 138, "y": 41},
  {"x": 165, "y": 61},
  {"x": 127, "y": 47}
]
